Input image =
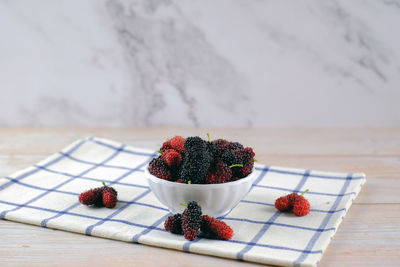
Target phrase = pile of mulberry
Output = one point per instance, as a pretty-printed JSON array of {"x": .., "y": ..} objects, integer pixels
[
  {"x": 104, "y": 196},
  {"x": 197, "y": 161},
  {"x": 191, "y": 223}
]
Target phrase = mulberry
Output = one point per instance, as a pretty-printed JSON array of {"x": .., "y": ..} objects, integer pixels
[
  {"x": 222, "y": 172},
  {"x": 301, "y": 207},
  {"x": 283, "y": 203},
  {"x": 294, "y": 202},
  {"x": 214, "y": 228},
  {"x": 92, "y": 197},
  {"x": 160, "y": 169},
  {"x": 173, "y": 224},
  {"x": 109, "y": 197},
  {"x": 100, "y": 196},
  {"x": 196, "y": 161},
  {"x": 230, "y": 158},
  {"x": 176, "y": 143},
  {"x": 210, "y": 178},
  {"x": 223, "y": 146},
  {"x": 245, "y": 157},
  {"x": 191, "y": 220},
  {"x": 172, "y": 157}
]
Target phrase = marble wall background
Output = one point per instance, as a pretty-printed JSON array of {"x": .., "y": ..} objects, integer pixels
[{"x": 205, "y": 63}]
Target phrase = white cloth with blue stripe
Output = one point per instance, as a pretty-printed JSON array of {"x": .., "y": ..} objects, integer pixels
[{"x": 46, "y": 194}]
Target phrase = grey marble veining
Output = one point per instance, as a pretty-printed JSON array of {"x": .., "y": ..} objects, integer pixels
[
  {"x": 174, "y": 70},
  {"x": 208, "y": 63}
]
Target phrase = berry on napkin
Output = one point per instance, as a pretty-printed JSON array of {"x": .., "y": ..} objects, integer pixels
[
  {"x": 104, "y": 196},
  {"x": 109, "y": 197},
  {"x": 296, "y": 203},
  {"x": 173, "y": 224},
  {"x": 192, "y": 223},
  {"x": 191, "y": 220},
  {"x": 217, "y": 229},
  {"x": 92, "y": 197}
]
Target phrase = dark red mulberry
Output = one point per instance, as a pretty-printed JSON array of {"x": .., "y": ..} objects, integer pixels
[
  {"x": 92, "y": 197},
  {"x": 176, "y": 143},
  {"x": 173, "y": 224},
  {"x": 196, "y": 161},
  {"x": 109, "y": 197},
  {"x": 100, "y": 196},
  {"x": 159, "y": 168},
  {"x": 283, "y": 203},
  {"x": 213, "y": 228},
  {"x": 294, "y": 202},
  {"x": 191, "y": 220},
  {"x": 223, "y": 146},
  {"x": 172, "y": 157}
]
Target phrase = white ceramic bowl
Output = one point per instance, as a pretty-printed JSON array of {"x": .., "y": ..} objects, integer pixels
[{"x": 214, "y": 199}]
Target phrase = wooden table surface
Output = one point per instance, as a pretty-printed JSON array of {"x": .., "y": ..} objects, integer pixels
[{"x": 368, "y": 236}]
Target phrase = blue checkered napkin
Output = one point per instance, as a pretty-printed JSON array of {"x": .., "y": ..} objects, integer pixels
[{"x": 46, "y": 194}]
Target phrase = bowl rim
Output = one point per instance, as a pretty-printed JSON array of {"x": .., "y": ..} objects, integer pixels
[{"x": 154, "y": 178}]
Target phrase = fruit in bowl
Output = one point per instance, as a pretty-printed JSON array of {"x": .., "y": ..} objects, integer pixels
[{"x": 216, "y": 174}]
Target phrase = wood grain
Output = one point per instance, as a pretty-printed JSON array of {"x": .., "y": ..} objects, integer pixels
[{"x": 368, "y": 236}]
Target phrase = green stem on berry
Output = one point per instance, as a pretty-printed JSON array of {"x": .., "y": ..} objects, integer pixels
[
  {"x": 160, "y": 151},
  {"x": 208, "y": 137},
  {"x": 236, "y": 165},
  {"x": 255, "y": 160},
  {"x": 104, "y": 183},
  {"x": 305, "y": 192},
  {"x": 183, "y": 204},
  {"x": 167, "y": 139}
]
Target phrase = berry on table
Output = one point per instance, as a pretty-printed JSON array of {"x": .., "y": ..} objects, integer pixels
[
  {"x": 104, "y": 196},
  {"x": 92, "y": 197},
  {"x": 283, "y": 203},
  {"x": 294, "y": 202},
  {"x": 191, "y": 223},
  {"x": 301, "y": 207},
  {"x": 191, "y": 220},
  {"x": 109, "y": 197},
  {"x": 214, "y": 228},
  {"x": 173, "y": 224}
]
